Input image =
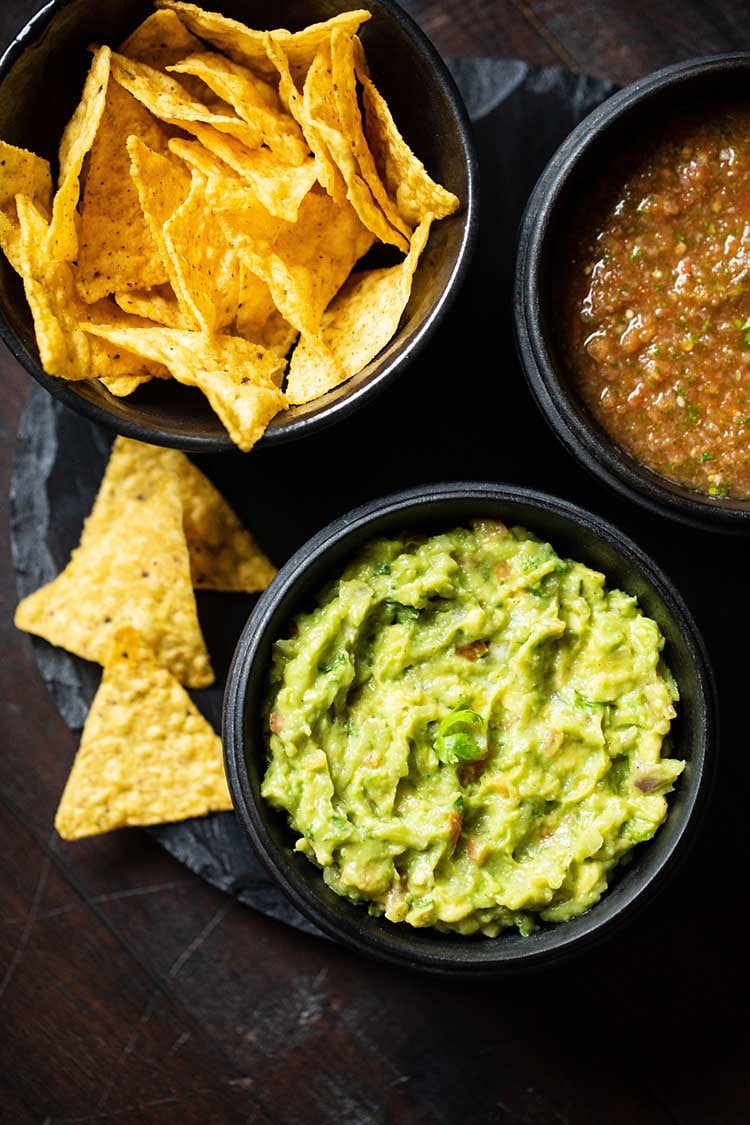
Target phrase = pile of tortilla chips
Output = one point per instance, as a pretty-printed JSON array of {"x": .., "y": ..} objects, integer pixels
[
  {"x": 217, "y": 186},
  {"x": 158, "y": 529}
]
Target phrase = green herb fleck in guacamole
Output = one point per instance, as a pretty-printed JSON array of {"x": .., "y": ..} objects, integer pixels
[{"x": 467, "y": 731}]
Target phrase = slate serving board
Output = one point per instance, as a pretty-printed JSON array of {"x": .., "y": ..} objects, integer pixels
[{"x": 461, "y": 412}]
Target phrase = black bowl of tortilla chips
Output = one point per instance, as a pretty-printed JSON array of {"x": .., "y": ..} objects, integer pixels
[{"x": 118, "y": 285}]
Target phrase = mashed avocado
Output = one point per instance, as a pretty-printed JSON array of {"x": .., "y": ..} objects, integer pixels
[{"x": 467, "y": 731}]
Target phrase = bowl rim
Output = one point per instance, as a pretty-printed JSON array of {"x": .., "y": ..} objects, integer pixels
[
  {"x": 328, "y": 413},
  {"x": 577, "y": 431},
  {"x": 561, "y": 942}
]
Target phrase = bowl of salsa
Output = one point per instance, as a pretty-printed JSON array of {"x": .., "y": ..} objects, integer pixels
[{"x": 632, "y": 302}]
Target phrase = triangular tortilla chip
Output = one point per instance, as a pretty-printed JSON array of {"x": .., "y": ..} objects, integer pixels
[
  {"x": 246, "y": 46},
  {"x": 161, "y": 40},
  {"x": 362, "y": 318},
  {"x": 76, "y": 141},
  {"x": 168, "y": 100},
  {"x": 236, "y": 376},
  {"x": 204, "y": 267},
  {"x": 223, "y": 554},
  {"x": 159, "y": 305},
  {"x": 320, "y": 103},
  {"x": 123, "y": 385},
  {"x": 279, "y": 187},
  {"x": 408, "y": 184},
  {"x": 345, "y": 50},
  {"x": 147, "y": 755},
  {"x": 131, "y": 568},
  {"x": 59, "y": 313},
  {"x": 21, "y": 173},
  {"x": 308, "y": 261},
  {"x": 329, "y": 177},
  {"x": 253, "y": 99},
  {"x": 117, "y": 251}
]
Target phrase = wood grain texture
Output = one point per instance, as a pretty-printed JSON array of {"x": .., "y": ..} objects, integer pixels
[{"x": 132, "y": 992}]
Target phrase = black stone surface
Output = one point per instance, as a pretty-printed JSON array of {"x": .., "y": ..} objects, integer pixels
[{"x": 463, "y": 411}]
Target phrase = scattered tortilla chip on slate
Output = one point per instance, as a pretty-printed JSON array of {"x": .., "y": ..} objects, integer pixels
[
  {"x": 76, "y": 141},
  {"x": 360, "y": 321},
  {"x": 223, "y": 554},
  {"x": 132, "y": 567},
  {"x": 236, "y": 376},
  {"x": 146, "y": 756},
  {"x": 414, "y": 191},
  {"x": 253, "y": 99}
]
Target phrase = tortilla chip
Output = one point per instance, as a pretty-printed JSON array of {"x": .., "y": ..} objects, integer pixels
[
  {"x": 328, "y": 175},
  {"x": 58, "y": 312},
  {"x": 21, "y": 173},
  {"x": 246, "y": 46},
  {"x": 223, "y": 554},
  {"x": 160, "y": 41},
  {"x": 159, "y": 305},
  {"x": 123, "y": 385},
  {"x": 278, "y": 335},
  {"x": 307, "y": 261},
  {"x": 117, "y": 251},
  {"x": 76, "y": 141},
  {"x": 163, "y": 184},
  {"x": 236, "y": 376},
  {"x": 362, "y": 318},
  {"x": 205, "y": 270},
  {"x": 147, "y": 755},
  {"x": 168, "y": 100},
  {"x": 253, "y": 99},
  {"x": 344, "y": 83},
  {"x": 255, "y": 305},
  {"x": 405, "y": 177},
  {"x": 278, "y": 186},
  {"x": 131, "y": 568},
  {"x": 201, "y": 160},
  {"x": 320, "y": 102}
]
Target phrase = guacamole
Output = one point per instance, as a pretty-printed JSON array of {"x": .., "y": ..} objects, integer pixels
[{"x": 467, "y": 731}]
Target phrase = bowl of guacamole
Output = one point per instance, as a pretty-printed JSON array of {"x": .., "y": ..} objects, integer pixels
[{"x": 469, "y": 728}]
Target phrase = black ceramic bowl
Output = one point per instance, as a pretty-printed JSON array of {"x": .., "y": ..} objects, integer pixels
[
  {"x": 574, "y": 533},
  {"x": 595, "y": 145},
  {"x": 41, "y": 76}
]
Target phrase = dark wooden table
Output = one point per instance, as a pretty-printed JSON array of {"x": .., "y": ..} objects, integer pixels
[{"x": 131, "y": 991}]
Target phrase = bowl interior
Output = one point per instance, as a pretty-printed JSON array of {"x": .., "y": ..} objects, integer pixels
[
  {"x": 584, "y": 175},
  {"x": 40, "y": 84},
  {"x": 573, "y": 533}
]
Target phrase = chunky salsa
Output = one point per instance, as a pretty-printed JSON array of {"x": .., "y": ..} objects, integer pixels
[
  {"x": 657, "y": 325},
  {"x": 467, "y": 731}
]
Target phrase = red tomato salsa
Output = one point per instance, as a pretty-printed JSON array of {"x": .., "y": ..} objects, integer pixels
[{"x": 657, "y": 323}]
